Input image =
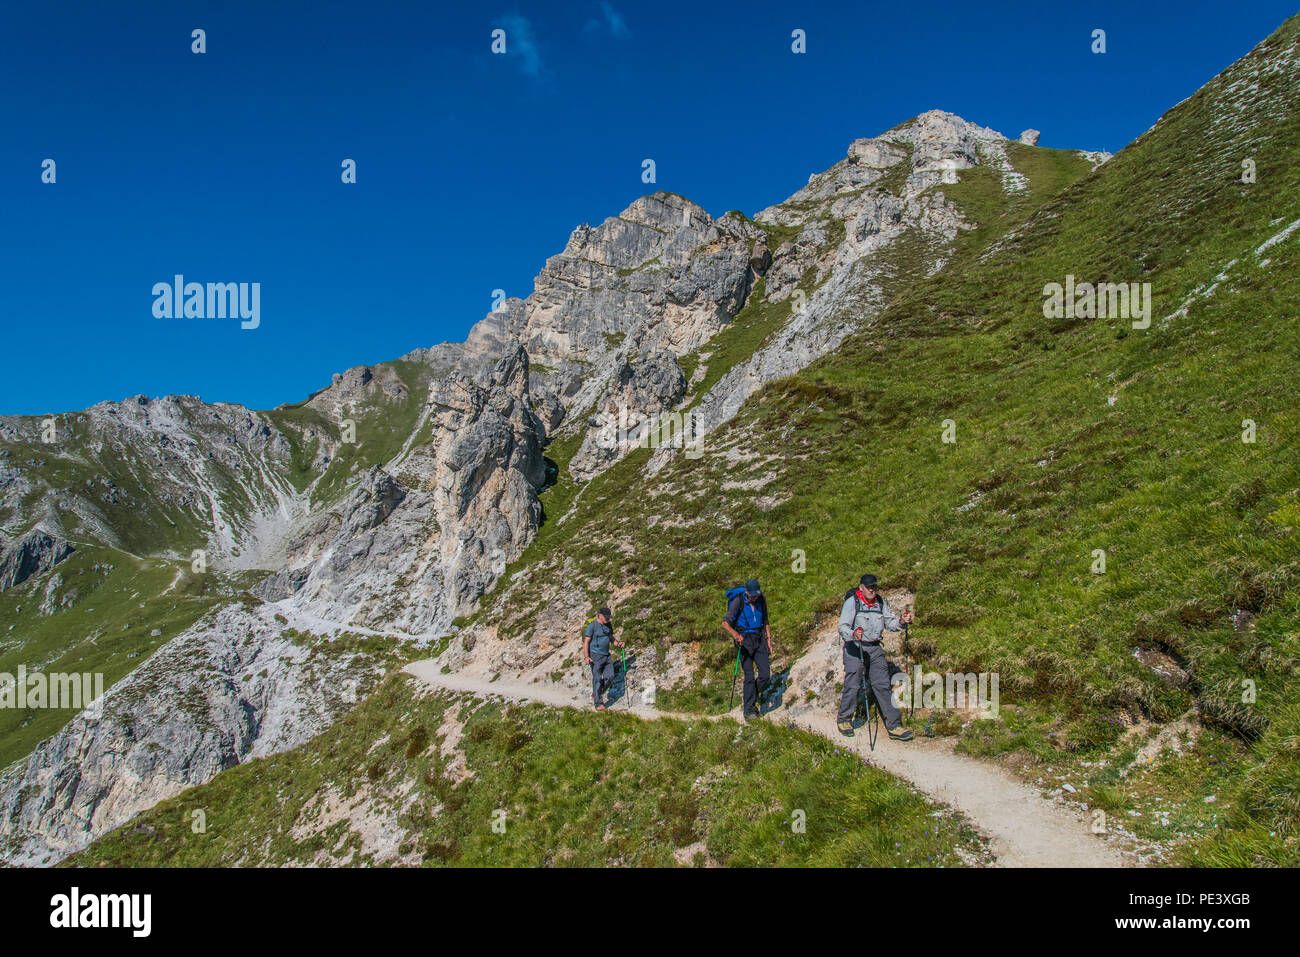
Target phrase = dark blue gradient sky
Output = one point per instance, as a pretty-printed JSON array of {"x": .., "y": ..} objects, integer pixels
[{"x": 472, "y": 168}]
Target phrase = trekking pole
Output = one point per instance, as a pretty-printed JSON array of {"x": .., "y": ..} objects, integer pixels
[
  {"x": 873, "y": 716},
  {"x": 911, "y": 691},
  {"x": 734, "y": 672},
  {"x": 626, "y": 694},
  {"x": 873, "y": 720}
]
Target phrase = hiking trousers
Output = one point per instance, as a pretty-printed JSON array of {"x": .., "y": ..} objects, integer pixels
[
  {"x": 602, "y": 675},
  {"x": 753, "y": 653},
  {"x": 873, "y": 669}
]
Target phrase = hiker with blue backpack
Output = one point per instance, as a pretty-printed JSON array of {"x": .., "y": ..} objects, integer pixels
[
  {"x": 747, "y": 621},
  {"x": 863, "y": 620},
  {"x": 595, "y": 651}
]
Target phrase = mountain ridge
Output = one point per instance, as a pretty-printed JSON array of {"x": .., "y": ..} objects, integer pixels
[{"x": 476, "y": 471}]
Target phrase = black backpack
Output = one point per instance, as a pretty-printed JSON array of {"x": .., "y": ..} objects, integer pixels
[{"x": 857, "y": 602}]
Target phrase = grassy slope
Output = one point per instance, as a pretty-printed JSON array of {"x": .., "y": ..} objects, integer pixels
[
  {"x": 382, "y": 426},
  {"x": 1196, "y": 524},
  {"x": 109, "y": 601},
  {"x": 104, "y": 607},
  {"x": 612, "y": 507},
  {"x": 571, "y": 509},
  {"x": 1046, "y": 469},
  {"x": 143, "y": 522},
  {"x": 578, "y": 790}
]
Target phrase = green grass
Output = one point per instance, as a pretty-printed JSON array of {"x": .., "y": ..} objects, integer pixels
[
  {"x": 382, "y": 427},
  {"x": 577, "y": 789},
  {"x": 104, "y": 606},
  {"x": 895, "y": 178},
  {"x": 995, "y": 213},
  {"x": 996, "y": 533},
  {"x": 741, "y": 337}
]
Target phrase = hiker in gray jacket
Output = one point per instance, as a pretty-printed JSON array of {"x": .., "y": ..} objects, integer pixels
[
  {"x": 597, "y": 639},
  {"x": 863, "y": 619}
]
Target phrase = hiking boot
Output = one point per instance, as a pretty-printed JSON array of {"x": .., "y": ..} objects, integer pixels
[
  {"x": 753, "y": 714},
  {"x": 900, "y": 734},
  {"x": 846, "y": 728}
]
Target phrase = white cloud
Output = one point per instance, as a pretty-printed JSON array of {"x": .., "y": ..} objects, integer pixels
[
  {"x": 611, "y": 20},
  {"x": 521, "y": 43}
]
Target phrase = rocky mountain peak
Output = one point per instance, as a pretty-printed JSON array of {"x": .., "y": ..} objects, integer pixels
[{"x": 356, "y": 385}]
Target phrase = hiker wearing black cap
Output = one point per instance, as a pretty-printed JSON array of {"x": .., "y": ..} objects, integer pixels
[
  {"x": 595, "y": 651},
  {"x": 863, "y": 619},
  {"x": 747, "y": 621}
]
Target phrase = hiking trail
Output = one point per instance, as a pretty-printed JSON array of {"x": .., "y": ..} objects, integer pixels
[{"x": 1023, "y": 828}]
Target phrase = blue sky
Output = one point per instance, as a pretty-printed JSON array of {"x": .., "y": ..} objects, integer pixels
[{"x": 472, "y": 168}]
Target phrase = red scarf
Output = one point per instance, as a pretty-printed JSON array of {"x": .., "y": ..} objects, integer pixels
[{"x": 863, "y": 598}]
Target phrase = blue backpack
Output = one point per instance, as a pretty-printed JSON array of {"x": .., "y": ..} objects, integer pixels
[{"x": 739, "y": 591}]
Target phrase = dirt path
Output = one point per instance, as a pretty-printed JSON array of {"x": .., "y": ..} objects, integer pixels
[
  {"x": 1023, "y": 828},
  {"x": 552, "y": 695}
]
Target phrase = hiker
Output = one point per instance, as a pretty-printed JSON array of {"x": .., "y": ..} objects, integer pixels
[
  {"x": 747, "y": 621},
  {"x": 595, "y": 652},
  {"x": 863, "y": 619}
]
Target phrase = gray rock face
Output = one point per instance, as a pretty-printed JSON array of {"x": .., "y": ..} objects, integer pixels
[
  {"x": 281, "y": 585},
  {"x": 662, "y": 276},
  {"x": 415, "y": 542},
  {"x": 850, "y": 277},
  {"x": 1095, "y": 157},
  {"x": 412, "y": 556},
  {"x": 229, "y": 689},
  {"x": 32, "y": 554},
  {"x": 943, "y": 144},
  {"x": 152, "y": 466},
  {"x": 549, "y": 407},
  {"x": 1030, "y": 137},
  {"x": 624, "y": 414}
]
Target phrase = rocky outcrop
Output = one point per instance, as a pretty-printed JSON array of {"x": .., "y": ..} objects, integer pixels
[
  {"x": 282, "y": 584},
  {"x": 412, "y": 558},
  {"x": 153, "y": 472},
  {"x": 661, "y": 277},
  {"x": 1095, "y": 157},
  {"x": 1029, "y": 137},
  {"x": 32, "y": 554},
  {"x": 360, "y": 384},
  {"x": 625, "y": 414},
  {"x": 944, "y": 144},
  {"x": 549, "y": 407},
  {"x": 847, "y": 281},
  {"x": 231, "y": 688}
]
